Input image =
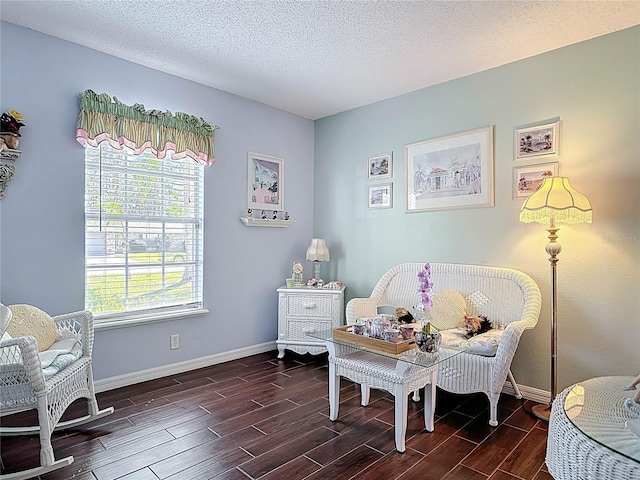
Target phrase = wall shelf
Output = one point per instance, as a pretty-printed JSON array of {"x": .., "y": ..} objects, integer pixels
[
  {"x": 259, "y": 222},
  {"x": 7, "y": 167}
]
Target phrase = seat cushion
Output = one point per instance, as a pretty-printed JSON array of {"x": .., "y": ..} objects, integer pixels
[
  {"x": 485, "y": 344},
  {"x": 29, "y": 320},
  {"x": 448, "y": 310}
]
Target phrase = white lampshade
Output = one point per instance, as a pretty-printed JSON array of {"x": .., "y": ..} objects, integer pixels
[
  {"x": 318, "y": 251},
  {"x": 556, "y": 201}
]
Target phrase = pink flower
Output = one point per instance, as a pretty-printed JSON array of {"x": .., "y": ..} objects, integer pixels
[{"x": 425, "y": 286}]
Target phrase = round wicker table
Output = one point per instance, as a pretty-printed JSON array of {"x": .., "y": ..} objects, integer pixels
[{"x": 588, "y": 434}]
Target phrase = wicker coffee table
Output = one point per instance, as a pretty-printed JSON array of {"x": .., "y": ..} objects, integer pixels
[
  {"x": 588, "y": 435},
  {"x": 397, "y": 373}
]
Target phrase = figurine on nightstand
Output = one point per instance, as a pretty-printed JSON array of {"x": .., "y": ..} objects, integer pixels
[
  {"x": 249, "y": 213},
  {"x": 286, "y": 215},
  {"x": 275, "y": 215},
  {"x": 264, "y": 215}
]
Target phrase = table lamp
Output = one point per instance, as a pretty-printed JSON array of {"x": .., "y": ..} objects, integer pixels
[
  {"x": 555, "y": 201},
  {"x": 316, "y": 253}
]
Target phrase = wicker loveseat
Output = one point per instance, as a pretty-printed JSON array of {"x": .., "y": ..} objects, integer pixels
[{"x": 509, "y": 298}]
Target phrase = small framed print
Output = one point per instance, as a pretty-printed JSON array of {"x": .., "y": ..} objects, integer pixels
[
  {"x": 380, "y": 196},
  {"x": 265, "y": 177},
  {"x": 537, "y": 140},
  {"x": 380, "y": 166},
  {"x": 527, "y": 179}
]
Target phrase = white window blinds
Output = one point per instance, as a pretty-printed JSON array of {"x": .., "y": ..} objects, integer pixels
[{"x": 143, "y": 232}]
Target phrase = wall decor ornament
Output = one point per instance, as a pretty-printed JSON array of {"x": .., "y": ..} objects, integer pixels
[
  {"x": 380, "y": 195},
  {"x": 537, "y": 140},
  {"x": 380, "y": 166},
  {"x": 265, "y": 182},
  {"x": 10, "y": 124},
  {"x": 454, "y": 171}
]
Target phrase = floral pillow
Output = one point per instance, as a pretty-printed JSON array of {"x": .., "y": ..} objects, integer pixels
[
  {"x": 448, "y": 310},
  {"x": 485, "y": 344},
  {"x": 30, "y": 320}
]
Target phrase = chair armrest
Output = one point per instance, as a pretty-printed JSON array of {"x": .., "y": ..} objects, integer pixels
[
  {"x": 81, "y": 324},
  {"x": 17, "y": 357},
  {"x": 360, "y": 307}
]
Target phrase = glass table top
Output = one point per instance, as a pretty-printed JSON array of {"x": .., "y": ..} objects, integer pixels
[
  {"x": 597, "y": 408},
  {"x": 413, "y": 355}
]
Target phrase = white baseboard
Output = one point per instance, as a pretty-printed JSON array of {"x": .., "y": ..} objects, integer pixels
[
  {"x": 530, "y": 393},
  {"x": 158, "y": 372},
  {"x": 111, "y": 383}
]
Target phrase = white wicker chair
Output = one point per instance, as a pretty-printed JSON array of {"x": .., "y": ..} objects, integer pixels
[
  {"x": 509, "y": 298},
  {"x": 24, "y": 388}
]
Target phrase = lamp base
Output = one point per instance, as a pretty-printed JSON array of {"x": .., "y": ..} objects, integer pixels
[
  {"x": 542, "y": 412},
  {"x": 316, "y": 271}
]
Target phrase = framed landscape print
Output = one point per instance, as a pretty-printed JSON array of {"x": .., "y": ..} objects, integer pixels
[
  {"x": 527, "y": 179},
  {"x": 380, "y": 166},
  {"x": 381, "y": 195},
  {"x": 455, "y": 171},
  {"x": 265, "y": 188},
  {"x": 537, "y": 140}
]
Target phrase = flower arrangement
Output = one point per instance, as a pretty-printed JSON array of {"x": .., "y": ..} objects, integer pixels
[
  {"x": 427, "y": 340},
  {"x": 425, "y": 286}
]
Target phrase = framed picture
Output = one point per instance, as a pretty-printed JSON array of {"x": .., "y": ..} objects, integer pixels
[
  {"x": 527, "y": 179},
  {"x": 537, "y": 140},
  {"x": 455, "y": 171},
  {"x": 380, "y": 166},
  {"x": 380, "y": 196},
  {"x": 265, "y": 188}
]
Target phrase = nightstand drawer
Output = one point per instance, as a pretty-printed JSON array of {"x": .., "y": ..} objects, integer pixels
[
  {"x": 308, "y": 306},
  {"x": 297, "y": 330}
]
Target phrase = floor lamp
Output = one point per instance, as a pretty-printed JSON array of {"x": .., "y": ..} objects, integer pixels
[{"x": 554, "y": 202}]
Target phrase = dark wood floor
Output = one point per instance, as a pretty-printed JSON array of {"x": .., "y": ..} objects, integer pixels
[{"x": 260, "y": 417}]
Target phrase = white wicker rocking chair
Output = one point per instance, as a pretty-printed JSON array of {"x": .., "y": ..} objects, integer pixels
[
  {"x": 24, "y": 387},
  {"x": 508, "y": 297}
]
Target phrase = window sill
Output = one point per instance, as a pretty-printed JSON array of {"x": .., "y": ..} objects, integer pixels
[{"x": 142, "y": 319}]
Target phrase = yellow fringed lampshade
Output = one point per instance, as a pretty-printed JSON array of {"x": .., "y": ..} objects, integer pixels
[{"x": 556, "y": 201}]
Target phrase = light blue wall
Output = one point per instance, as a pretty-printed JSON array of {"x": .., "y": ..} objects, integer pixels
[
  {"x": 594, "y": 88},
  {"x": 42, "y": 220}
]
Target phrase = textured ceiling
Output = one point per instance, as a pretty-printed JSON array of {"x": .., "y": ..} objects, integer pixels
[{"x": 317, "y": 58}]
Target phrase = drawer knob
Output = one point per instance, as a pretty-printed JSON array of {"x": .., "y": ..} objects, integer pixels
[
  {"x": 308, "y": 330},
  {"x": 309, "y": 305}
]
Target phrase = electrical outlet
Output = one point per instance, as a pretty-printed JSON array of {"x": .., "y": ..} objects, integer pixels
[{"x": 175, "y": 341}]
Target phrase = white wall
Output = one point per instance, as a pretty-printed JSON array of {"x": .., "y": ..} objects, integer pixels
[
  {"x": 42, "y": 221},
  {"x": 594, "y": 88}
]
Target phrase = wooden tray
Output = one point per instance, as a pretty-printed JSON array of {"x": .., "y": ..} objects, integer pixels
[{"x": 340, "y": 334}]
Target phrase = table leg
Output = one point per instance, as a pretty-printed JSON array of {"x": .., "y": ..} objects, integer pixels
[{"x": 430, "y": 403}]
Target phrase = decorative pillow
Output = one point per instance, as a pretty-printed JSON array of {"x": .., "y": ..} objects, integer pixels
[
  {"x": 448, "y": 310},
  {"x": 485, "y": 344},
  {"x": 29, "y": 320}
]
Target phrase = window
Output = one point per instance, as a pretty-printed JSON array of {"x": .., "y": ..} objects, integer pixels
[{"x": 143, "y": 233}]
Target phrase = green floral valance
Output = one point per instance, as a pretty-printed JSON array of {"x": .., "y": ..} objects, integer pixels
[{"x": 103, "y": 119}]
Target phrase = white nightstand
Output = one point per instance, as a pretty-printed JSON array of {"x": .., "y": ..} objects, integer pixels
[{"x": 303, "y": 309}]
